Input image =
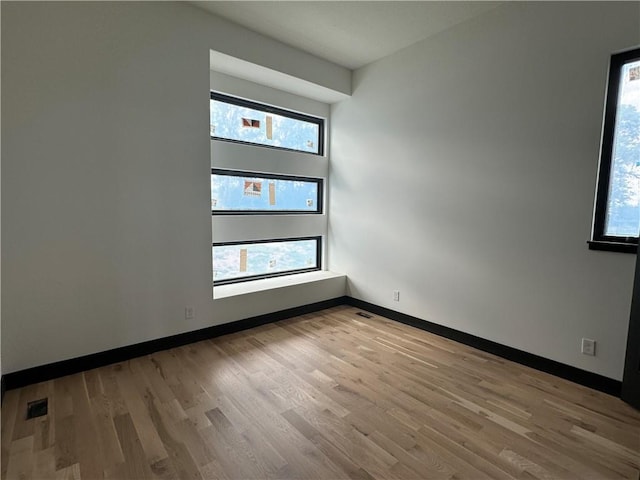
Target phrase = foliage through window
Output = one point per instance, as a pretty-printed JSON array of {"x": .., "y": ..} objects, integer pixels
[
  {"x": 240, "y": 261},
  {"x": 234, "y": 192},
  {"x": 617, "y": 214},
  {"x": 238, "y": 120}
]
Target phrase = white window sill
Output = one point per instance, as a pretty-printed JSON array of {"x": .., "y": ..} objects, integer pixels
[{"x": 235, "y": 289}]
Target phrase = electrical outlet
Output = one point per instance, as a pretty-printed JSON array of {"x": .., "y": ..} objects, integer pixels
[
  {"x": 396, "y": 295},
  {"x": 588, "y": 347},
  {"x": 188, "y": 313}
]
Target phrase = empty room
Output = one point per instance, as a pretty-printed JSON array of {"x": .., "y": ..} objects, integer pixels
[{"x": 320, "y": 240}]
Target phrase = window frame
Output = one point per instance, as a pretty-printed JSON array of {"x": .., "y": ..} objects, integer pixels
[
  {"x": 275, "y": 176},
  {"x": 599, "y": 240},
  {"x": 241, "y": 102},
  {"x": 317, "y": 267}
]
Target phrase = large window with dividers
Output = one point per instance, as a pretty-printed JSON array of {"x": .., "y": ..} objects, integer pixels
[{"x": 259, "y": 193}]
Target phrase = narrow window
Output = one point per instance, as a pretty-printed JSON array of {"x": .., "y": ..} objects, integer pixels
[
  {"x": 238, "y": 120},
  {"x": 251, "y": 260},
  {"x": 617, "y": 212},
  {"x": 244, "y": 193}
]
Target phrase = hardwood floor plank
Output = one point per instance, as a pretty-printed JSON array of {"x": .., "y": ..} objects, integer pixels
[
  {"x": 44, "y": 464},
  {"x": 301, "y": 456},
  {"x": 183, "y": 462},
  {"x": 353, "y": 443},
  {"x": 136, "y": 464},
  {"x": 72, "y": 472},
  {"x": 89, "y": 454},
  {"x": 21, "y": 459},
  {"x": 326, "y": 447},
  {"x": 9, "y": 412},
  {"x": 65, "y": 438},
  {"x": 232, "y": 450},
  {"x": 132, "y": 389},
  {"x": 214, "y": 471},
  {"x": 107, "y": 437},
  {"x": 435, "y": 468},
  {"x": 329, "y": 395},
  {"x": 469, "y": 444},
  {"x": 525, "y": 465},
  {"x": 153, "y": 374}
]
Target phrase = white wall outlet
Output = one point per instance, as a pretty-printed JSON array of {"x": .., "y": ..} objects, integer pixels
[
  {"x": 396, "y": 295},
  {"x": 588, "y": 347},
  {"x": 188, "y": 313}
]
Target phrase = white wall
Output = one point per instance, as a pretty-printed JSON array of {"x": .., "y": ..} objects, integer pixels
[
  {"x": 463, "y": 172},
  {"x": 105, "y": 178}
]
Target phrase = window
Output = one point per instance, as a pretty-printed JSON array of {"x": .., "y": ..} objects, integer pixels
[
  {"x": 244, "y": 193},
  {"x": 617, "y": 212},
  {"x": 241, "y": 261},
  {"x": 259, "y": 182},
  {"x": 238, "y": 120}
]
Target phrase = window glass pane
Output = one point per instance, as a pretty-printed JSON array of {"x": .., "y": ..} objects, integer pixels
[
  {"x": 623, "y": 206},
  {"x": 240, "y": 193},
  {"x": 252, "y": 125},
  {"x": 237, "y": 261}
]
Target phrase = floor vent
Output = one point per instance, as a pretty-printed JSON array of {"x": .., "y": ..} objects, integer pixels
[
  {"x": 37, "y": 408},
  {"x": 365, "y": 315}
]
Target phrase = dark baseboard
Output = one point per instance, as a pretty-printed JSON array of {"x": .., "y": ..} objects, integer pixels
[
  {"x": 576, "y": 375},
  {"x": 75, "y": 365},
  {"x": 3, "y": 387}
]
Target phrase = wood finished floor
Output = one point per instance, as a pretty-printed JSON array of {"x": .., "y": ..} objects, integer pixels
[{"x": 327, "y": 395}]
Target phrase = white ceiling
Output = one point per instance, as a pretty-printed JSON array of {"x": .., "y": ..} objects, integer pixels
[{"x": 350, "y": 34}]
